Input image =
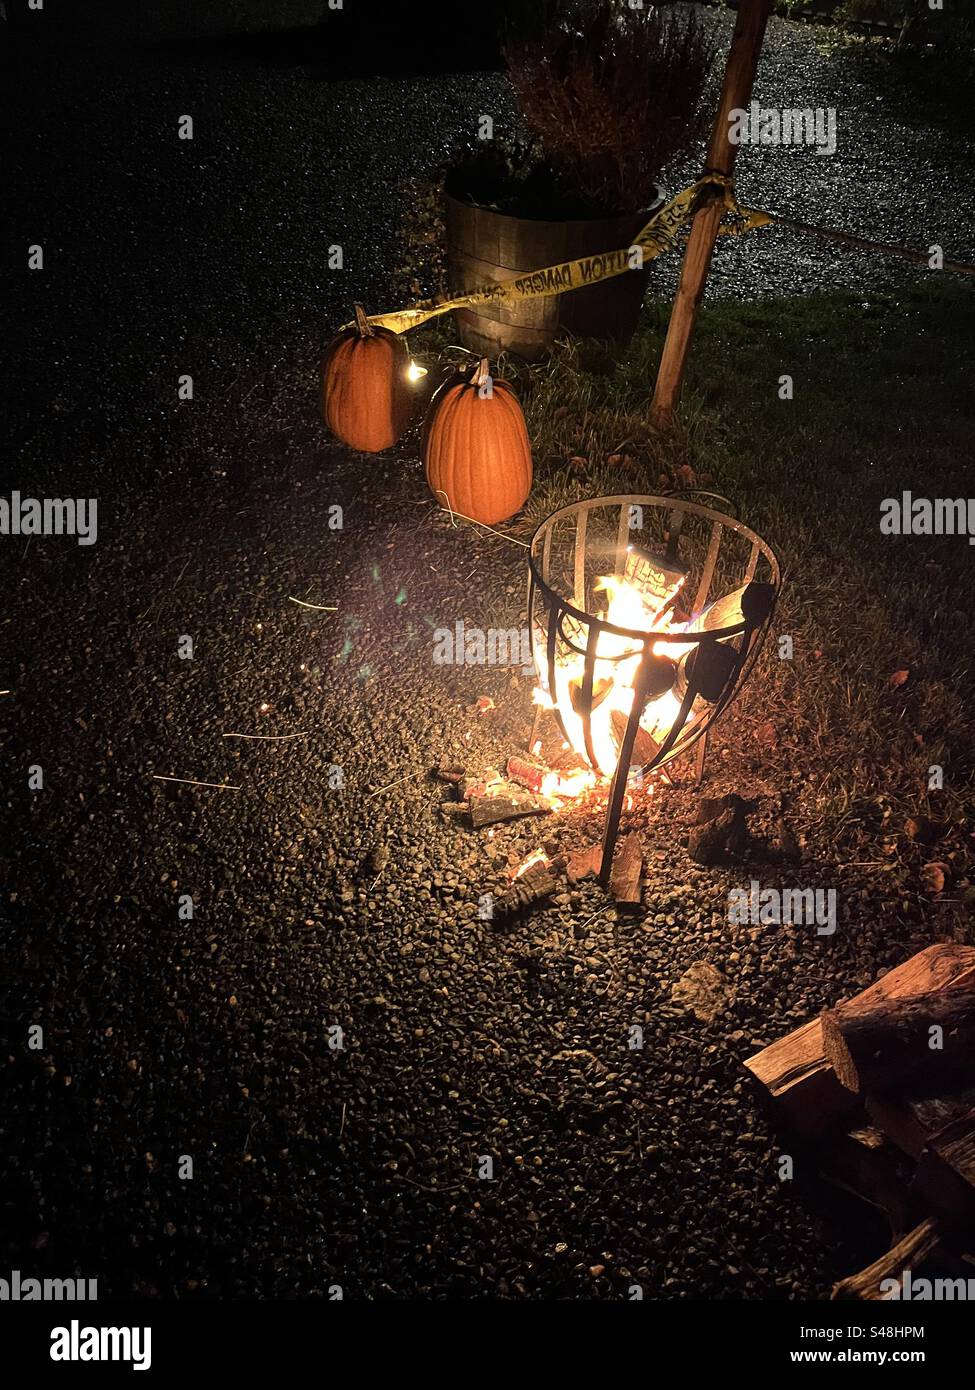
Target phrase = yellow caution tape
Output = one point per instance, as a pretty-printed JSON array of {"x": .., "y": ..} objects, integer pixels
[{"x": 658, "y": 236}]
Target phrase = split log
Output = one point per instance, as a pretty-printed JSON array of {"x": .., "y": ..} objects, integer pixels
[
  {"x": 707, "y": 844},
  {"x": 584, "y": 863},
  {"x": 709, "y": 840},
  {"x": 600, "y": 689},
  {"x": 888, "y": 1049},
  {"x": 945, "y": 1179},
  {"x": 752, "y": 603},
  {"x": 626, "y": 872},
  {"x": 864, "y": 1162},
  {"x": 920, "y": 1244},
  {"x": 800, "y": 1083},
  {"x": 507, "y": 803},
  {"x": 709, "y": 808},
  {"x": 794, "y": 1072},
  {"x": 909, "y": 1122},
  {"x": 645, "y": 747}
]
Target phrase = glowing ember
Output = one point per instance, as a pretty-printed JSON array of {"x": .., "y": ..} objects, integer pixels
[{"x": 537, "y": 856}]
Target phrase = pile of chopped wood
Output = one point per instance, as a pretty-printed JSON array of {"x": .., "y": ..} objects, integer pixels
[{"x": 883, "y": 1089}]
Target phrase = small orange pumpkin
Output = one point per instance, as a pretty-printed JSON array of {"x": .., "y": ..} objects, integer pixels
[
  {"x": 475, "y": 447},
  {"x": 367, "y": 397}
]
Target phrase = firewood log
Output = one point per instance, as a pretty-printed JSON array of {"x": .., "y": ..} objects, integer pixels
[
  {"x": 864, "y": 1162},
  {"x": 910, "y": 1121},
  {"x": 920, "y": 1244},
  {"x": 535, "y": 885},
  {"x": 627, "y": 869},
  {"x": 645, "y": 747},
  {"x": 794, "y": 1072},
  {"x": 945, "y": 1179},
  {"x": 508, "y": 803},
  {"x": 584, "y": 863},
  {"x": 925, "y": 1042}
]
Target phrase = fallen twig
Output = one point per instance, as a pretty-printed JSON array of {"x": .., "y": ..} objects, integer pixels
[
  {"x": 192, "y": 782},
  {"x": 267, "y": 738},
  {"x": 320, "y": 607}
]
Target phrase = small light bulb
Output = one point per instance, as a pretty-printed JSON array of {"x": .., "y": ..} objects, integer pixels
[
  {"x": 265, "y": 707},
  {"x": 415, "y": 371}
]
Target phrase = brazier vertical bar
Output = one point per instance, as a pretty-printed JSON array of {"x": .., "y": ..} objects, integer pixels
[
  {"x": 579, "y": 578},
  {"x": 710, "y": 560},
  {"x": 623, "y": 539},
  {"x": 611, "y": 829},
  {"x": 547, "y": 552},
  {"x": 592, "y": 642},
  {"x": 752, "y": 563}
]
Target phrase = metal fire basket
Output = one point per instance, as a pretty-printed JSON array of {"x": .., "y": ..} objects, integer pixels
[{"x": 675, "y": 554}]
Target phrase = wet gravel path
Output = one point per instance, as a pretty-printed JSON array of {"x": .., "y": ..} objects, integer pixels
[{"x": 211, "y": 1036}]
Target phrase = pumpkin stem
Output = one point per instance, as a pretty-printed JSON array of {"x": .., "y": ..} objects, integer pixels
[
  {"x": 362, "y": 323},
  {"x": 481, "y": 373}
]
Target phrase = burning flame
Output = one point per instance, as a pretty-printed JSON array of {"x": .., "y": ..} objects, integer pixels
[{"x": 617, "y": 662}]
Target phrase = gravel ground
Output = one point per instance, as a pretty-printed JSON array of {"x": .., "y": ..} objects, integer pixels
[{"x": 210, "y": 1037}]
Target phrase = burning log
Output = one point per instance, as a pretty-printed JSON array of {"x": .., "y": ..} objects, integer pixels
[
  {"x": 485, "y": 785},
  {"x": 537, "y": 883},
  {"x": 645, "y": 747},
  {"x": 600, "y": 689},
  {"x": 627, "y": 870},
  {"x": 504, "y": 802},
  {"x": 526, "y": 774},
  {"x": 752, "y": 603},
  {"x": 888, "y": 1049},
  {"x": 794, "y": 1071}
]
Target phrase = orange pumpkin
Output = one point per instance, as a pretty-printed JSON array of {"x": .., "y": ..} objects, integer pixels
[
  {"x": 475, "y": 447},
  {"x": 367, "y": 396}
]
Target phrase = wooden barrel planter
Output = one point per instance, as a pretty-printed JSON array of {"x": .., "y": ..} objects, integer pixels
[{"x": 485, "y": 247}]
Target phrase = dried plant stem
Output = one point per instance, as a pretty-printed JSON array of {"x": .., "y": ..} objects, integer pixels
[{"x": 192, "y": 782}]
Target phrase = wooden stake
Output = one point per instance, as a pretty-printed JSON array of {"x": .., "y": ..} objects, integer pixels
[{"x": 736, "y": 91}]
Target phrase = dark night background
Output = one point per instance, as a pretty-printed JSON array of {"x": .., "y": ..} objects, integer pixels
[{"x": 209, "y": 1037}]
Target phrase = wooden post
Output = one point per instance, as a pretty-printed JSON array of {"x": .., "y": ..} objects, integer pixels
[{"x": 736, "y": 91}]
